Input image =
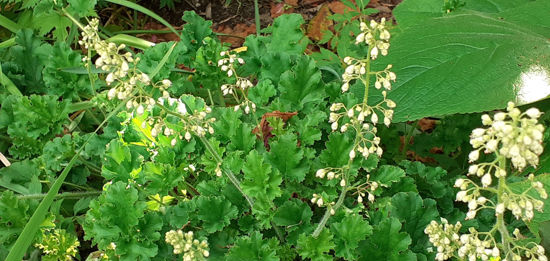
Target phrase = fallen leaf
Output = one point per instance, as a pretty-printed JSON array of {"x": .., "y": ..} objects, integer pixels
[
  {"x": 241, "y": 31},
  {"x": 311, "y": 2},
  {"x": 426, "y": 124},
  {"x": 157, "y": 38},
  {"x": 278, "y": 9},
  {"x": 338, "y": 7},
  {"x": 293, "y": 3},
  {"x": 263, "y": 130},
  {"x": 319, "y": 24}
]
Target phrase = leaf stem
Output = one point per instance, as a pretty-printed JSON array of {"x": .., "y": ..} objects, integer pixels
[
  {"x": 216, "y": 156},
  {"x": 501, "y": 226},
  {"x": 63, "y": 195}
]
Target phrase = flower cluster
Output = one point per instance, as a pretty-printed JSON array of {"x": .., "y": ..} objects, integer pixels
[
  {"x": 329, "y": 173},
  {"x": 357, "y": 116},
  {"x": 57, "y": 244},
  {"x": 376, "y": 35},
  {"x": 195, "y": 122},
  {"x": 522, "y": 206},
  {"x": 474, "y": 248},
  {"x": 238, "y": 89},
  {"x": 192, "y": 249},
  {"x": 512, "y": 134},
  {"x": 110, "y": 58},
  {"x": 444, "y": 237},
  {"x": 369, "y": 187}
]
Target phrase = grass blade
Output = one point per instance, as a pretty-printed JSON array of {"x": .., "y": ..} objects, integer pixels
[
  {"x": 9, "y": 24},
  {"x": 146, "y": 11}
]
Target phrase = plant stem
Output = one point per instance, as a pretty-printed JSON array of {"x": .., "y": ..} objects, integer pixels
[
  {"x": 227, "y": 172},
  {"x": 505, "y": 236},
  {"x": 63, "y": 195},
  {"x": 70, "y": 184},
  {"x": 342, "y": 196},
  {"x": 327, "y": 214},
  {"x": 216, "y": 156}
]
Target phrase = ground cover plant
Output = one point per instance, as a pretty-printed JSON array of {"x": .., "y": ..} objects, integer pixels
[{"x": 419, "y": 136}]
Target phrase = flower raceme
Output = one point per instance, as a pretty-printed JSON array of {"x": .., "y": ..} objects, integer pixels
[
  {"x": 128, "y": 83},
  {"x": 238, "y": 89},
  {"x": 361, "y": 119},
  {"x": 192, "y": 249},
  {"x": 512, "y": 135}
]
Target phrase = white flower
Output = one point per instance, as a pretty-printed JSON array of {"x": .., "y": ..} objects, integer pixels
[
  {"x": 181, "y": 108},
  {"x": 533, "y": 113},
  {"x": 374, "y": 53},
  {"x": 472, "y": 169},
  {"x": 166, "y": 83},
  {"x": 486, "y": 180},
  {"x": 111, "y": 94},
  {"x": 459, "y": 183},
  {"x": 499, "y": 210},
  {"x": 352, "y": 154},
  {"x": 140, "y": 110},
  {"x": 473, "y": 156}
]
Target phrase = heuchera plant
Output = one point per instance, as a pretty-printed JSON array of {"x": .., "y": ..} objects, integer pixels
[{"x": 191, "y": 150}]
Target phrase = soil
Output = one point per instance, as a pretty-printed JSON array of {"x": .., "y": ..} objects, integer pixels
[{"x": 232, "y": 17}]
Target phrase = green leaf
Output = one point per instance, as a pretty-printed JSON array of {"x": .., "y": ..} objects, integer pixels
[
  {"x": 121, "y": 163},
  {"x": 259, "y": 181},
  {"x": 82, "y": 7},
  {"x": 415, "y": 214},
  {"x": 287, "y": 35},
  {"x": 253, "y": 248},
  {"x": 21, "y": 177},
  {"x": 337, "y": 150},
  {"x": 14, "y": 215},
  {"x": 53, "y": 20},
  {"x": 287, "y": 157},
  {"x": 348, "y": 233},
  {"x": 118, "y": 216},
  {"x": 215, "y": 213},
  {"x": 152, "y": 57},
  {"x": 31, "y": 122},
  {"x": 388, "y": 174},
  {"x": 411, "y": 12},
  {"x": 301, "y": 84},
  {"x": 68, "y": 85},
  {"x": 432, "y": 182},
  {"x": 386, "y": 242},
  {"x": 470, "y": 61},
  {"x": 308, "y": 127},
  {"x": 316, "y": 248},
  {"x": 292, "y": 213},
  {"x": 208, "y": 160},
  {"x": 261, "y": 93},
  {"x": 26, "y": 54}
]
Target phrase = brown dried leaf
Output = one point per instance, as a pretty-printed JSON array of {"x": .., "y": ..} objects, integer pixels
[
  {"x": 240, "y": 30},
  {"x": 319, "y": 24},
  {"x": 266, "y": 133},
  {"x": 338, "y": 7}
]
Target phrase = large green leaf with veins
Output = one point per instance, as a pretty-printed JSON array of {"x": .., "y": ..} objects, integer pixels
[{"x": 469, "y": 60}]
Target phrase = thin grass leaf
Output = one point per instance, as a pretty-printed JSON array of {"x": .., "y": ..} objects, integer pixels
[{"x": 146, "y": 11}]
